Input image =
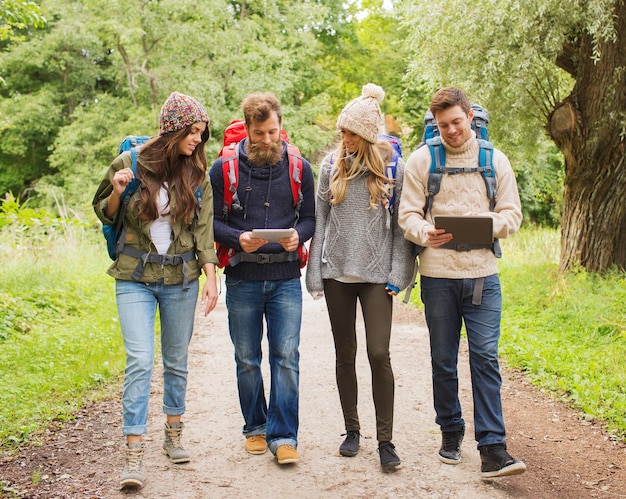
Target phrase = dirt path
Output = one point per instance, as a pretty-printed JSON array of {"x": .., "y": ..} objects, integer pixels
[{"x": 565, "y": 456}]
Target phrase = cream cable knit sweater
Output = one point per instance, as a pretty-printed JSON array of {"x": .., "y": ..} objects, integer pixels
[
  {"x": 352, "y": 241},
  {"x": 458, "y": 194}
]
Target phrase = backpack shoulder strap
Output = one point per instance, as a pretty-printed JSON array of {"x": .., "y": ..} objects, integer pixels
[
  {"x": 125, "y": 199},
  {"x": 485, "y": 162},
  {"x": 295, "y": 176},
  {"x": 437, "y": 166},
  {"x": 134, "y": 183},
  {"x": 230, "y": 171},
  {"x": 485, "y": 167},
  {"x": 391, "y": 170}
]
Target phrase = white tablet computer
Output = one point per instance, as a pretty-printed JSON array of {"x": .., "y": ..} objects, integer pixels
[
  {"x": 272, "y": 235},
  {"x": 468, "y": 229}
]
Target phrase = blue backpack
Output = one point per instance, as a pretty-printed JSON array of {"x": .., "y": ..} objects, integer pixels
[
  {"x": 432, "y": 139},
  {"x": 113, "y": 233},
  {"x": 392, "y": 166}
]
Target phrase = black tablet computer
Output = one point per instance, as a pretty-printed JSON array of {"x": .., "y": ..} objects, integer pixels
[{"x": 467, "y": 229}]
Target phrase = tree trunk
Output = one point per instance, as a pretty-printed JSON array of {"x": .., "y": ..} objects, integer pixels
[
  {"x": 128, "y": 67},
  {"x": 590, "y": 129}
]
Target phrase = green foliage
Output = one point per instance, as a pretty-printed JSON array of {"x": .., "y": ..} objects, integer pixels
[
  {"x": 16, "y": 316},
  {"x": 567, "y": 333},
  {"x": 101, "y": 69},
  {"x": 17, "y": 15},
  {"x": 47, "y": 78},
  {"x": 60, "y": 337},
  {"x": 24, "y": 138},
  {"x": 86, "y": 147},
  {"x": 30, "y": 228},
  {"x": 540, "y": 186},
  {"x": 502, "y": 53}
]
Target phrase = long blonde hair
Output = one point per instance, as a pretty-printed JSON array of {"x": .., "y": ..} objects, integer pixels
[{"x": 368, "y": 158}]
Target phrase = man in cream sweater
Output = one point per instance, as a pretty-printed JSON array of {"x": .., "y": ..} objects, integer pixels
[{"x": 462, "y": 285}]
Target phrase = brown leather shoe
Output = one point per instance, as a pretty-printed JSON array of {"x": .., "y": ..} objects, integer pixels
[
  {"x": 286, "y": 454},
  {"x": 256, "y": 444}
]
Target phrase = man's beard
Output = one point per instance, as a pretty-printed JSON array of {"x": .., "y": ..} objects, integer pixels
[{"x": 259, "y": 156}]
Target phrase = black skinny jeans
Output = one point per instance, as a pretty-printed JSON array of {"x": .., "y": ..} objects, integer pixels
[{"x": 376, "y": 306}]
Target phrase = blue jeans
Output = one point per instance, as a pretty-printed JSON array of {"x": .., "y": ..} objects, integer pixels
[
  {"x": 136, "y": 304},
  {"x": 448, "y": 302},
  {"x": 281, "y": 304}
]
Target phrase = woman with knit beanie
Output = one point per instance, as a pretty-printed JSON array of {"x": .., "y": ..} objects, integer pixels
[
  {"x": 167, "y": 242},
  {"x": 359, "y": 253}
]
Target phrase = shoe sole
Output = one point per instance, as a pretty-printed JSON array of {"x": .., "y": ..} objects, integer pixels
[
  {"x": 347, "y": 453},
  {"x": 131, "y": 483},
  {"x": 176, "y": 461},
  {"x": 257, "y": 452},
  {"x": 447, "y": 460},
  {"x": 289, "y": 460},
  {"x": 390, "y": 467},
  {"x": 513, "y": 469}
]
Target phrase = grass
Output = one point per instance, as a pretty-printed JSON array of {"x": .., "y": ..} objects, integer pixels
[
  {"x": 60, "y": 344},
  {"x": 566, "y": 332}
]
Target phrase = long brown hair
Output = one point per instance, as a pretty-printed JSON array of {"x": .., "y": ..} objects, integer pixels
[
  {"x": 159, "y": 162},
  {"x": 368, "y": 157}
]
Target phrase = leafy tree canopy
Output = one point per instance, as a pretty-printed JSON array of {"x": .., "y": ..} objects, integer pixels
[{"x": 16, "y": 16}]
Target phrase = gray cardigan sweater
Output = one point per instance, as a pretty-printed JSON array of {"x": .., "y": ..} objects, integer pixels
[{"x": 352, "y": 240}]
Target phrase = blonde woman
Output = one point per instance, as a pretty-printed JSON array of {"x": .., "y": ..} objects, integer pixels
[{"x": 358, "y": 253}]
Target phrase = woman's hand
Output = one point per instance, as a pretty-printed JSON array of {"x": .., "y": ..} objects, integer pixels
[
  {"x": 209, "y": 290},
  {"x": 121, "y": 179}
]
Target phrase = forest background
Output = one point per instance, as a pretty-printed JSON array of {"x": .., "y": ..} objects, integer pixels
[{"x": 78, "y": 76}]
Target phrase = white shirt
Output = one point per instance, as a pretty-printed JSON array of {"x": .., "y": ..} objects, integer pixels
[{"x": 161, "y": 228}]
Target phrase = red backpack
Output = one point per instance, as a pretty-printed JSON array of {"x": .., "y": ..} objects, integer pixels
[{"x": 233, "y": 135}]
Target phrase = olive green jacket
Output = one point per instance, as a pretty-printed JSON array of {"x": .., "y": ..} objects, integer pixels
[{"x": 198, "y": 235}]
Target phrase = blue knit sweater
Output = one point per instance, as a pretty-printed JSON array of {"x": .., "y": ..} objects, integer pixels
[{"x": 266, "y": 203}]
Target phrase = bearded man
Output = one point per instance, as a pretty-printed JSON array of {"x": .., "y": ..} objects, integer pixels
[{"x": 263, "y": 277}]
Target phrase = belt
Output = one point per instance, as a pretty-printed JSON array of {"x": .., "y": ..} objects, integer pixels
[
  {"x": 145, "y": 258},
  {"x": 465, "y": 247},
  {"x": 263, "y": 258}
]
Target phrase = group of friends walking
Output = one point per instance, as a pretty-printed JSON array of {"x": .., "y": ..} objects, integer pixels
[{"x": 364, "y": 226}]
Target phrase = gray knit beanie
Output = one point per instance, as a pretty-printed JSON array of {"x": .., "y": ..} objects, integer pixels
[{"x": 362, "y": 115}]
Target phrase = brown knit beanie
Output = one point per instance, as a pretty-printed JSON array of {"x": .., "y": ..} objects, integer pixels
[
  {"x": 362, "y": 115},
  {"x": 180, "y": 111}
]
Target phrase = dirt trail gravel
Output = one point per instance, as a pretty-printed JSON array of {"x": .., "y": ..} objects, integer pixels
[{"x": 565, "y": 456}]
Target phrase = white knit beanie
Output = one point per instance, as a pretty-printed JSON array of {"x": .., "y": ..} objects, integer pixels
[{"x": 362, "y": 115}]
